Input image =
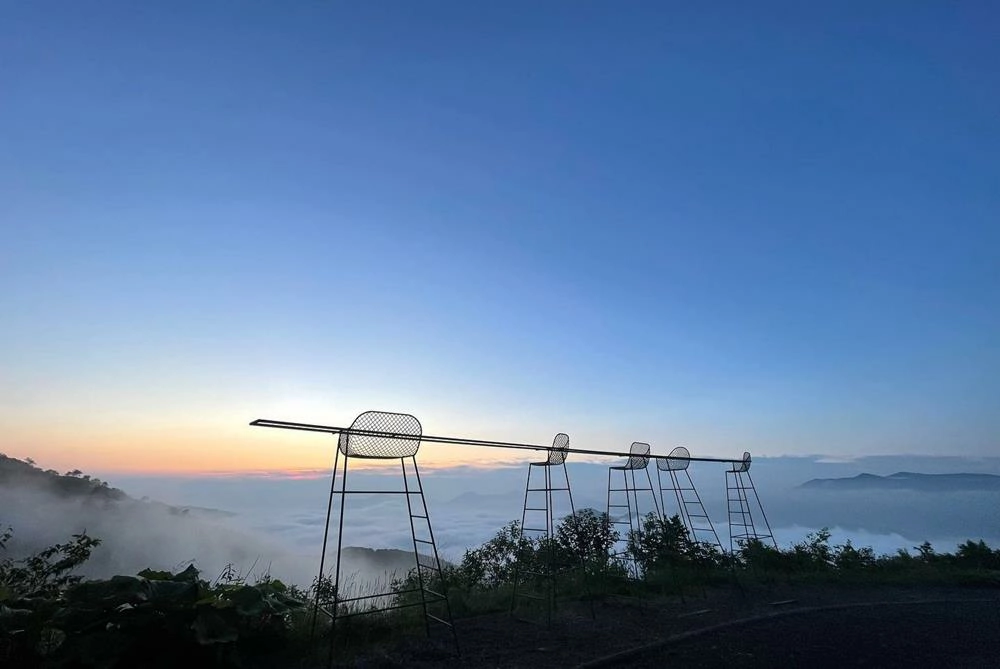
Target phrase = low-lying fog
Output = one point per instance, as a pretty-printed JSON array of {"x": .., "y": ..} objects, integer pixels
[{"x": 277, "y": 522}]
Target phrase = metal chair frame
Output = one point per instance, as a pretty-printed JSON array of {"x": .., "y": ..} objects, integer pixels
[
  {"x": 690, "y": 507},
  {"x": 556, "y": 457},
  {"x": 639, "y": 456},
  {"x": 397, "y": 438},
  {"x": 741, "y": 514}
]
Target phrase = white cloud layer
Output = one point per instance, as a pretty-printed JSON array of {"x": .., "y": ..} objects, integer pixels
[{"x": 278, "y": 522}]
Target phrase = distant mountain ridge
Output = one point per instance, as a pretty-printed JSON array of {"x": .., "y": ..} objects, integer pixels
[
  {"x": 76, "y": 485},
  {"x": 910, "y": 481},
  {"x": 19, "y": 477}
]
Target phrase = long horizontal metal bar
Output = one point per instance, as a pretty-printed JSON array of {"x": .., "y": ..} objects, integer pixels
[{"x": 463, "y": 441}]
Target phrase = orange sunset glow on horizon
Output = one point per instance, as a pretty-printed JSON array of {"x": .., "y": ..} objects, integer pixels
[{"x": 246, "y": 450}]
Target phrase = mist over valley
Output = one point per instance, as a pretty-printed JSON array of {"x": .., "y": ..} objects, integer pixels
[{"x": 274, "y": 524}]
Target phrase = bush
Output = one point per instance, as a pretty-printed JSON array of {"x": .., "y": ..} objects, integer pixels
[
  {"x": 660, "y": 543},
  {"x": 493, "y": 564},
  {"x": 849, "y": 558},
  {"x": 977, "y": 555},
  {"x": 49, "y": 617},
  {"x": 587, "y": 535}
]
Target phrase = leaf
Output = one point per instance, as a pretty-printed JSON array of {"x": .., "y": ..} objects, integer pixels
[
  {"x": 117, "y": 590},
  {"x": 189, "y": 574},
  {"x": 176, "y": 592},
  {"x": 49, "y": 641},
  {"x": 11, "y": 615},
  {"x": 281, "y": 603},
  {"x": 154, "y": 575},
  {"x": 248, "y": 600},
  {"x": 210, "y": 627}
]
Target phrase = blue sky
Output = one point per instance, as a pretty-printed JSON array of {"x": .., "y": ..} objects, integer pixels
[{"x": 769, "y": 227}]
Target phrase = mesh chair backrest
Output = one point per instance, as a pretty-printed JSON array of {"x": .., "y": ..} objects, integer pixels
[
  {"x": 678, "y": 459},
  {"x": 639, "y": 457},
  {"x": 401, "y": 438},
  {"x": 744, "y": 464},
  {"x": 558, "y": 452}
]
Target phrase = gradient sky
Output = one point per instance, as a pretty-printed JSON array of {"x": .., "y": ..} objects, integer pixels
[{"x": 762, "y": 226}]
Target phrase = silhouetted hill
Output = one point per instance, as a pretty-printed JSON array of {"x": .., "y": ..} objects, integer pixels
[
  {"x": 45, "y": 506},
  {"x": 388, "y": 560},
  {"x": 910, "y": 481},
  {"x": 75, "y": 485}
]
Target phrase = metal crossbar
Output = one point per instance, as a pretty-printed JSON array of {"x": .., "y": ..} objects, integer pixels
[
  {"x": 461, "y": 441},
  {"x": 393, "y": 436}
]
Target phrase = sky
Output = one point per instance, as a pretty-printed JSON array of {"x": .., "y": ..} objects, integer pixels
[{"x": 768, "y": 228}]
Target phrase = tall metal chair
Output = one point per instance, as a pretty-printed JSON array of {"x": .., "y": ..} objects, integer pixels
[
  {"x": 638, "y": 461},
  {"x": 689, "y": 505},
  {"x": 538, "y": 524},
  {"x": 381, "y": 435},
  {"x": 742, "y": 526}
]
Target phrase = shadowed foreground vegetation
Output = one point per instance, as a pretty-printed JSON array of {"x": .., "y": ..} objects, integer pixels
[{"x": 50, "y": 617}]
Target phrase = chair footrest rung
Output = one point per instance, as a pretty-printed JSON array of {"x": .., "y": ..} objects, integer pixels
[
  {"x": 439, "y": 620},
  {"x": 528, "y": 595}
]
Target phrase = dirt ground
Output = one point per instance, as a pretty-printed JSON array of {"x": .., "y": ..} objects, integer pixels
[
  {"x": 780, "y": 625},
  {"x": 939, "y": 634}
]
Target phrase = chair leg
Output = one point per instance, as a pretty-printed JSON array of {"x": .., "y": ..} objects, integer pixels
[
  {"x": 326, "y": 537},
  {"x": 337, "y": 595},
  {"x": 517, "y": 560}
]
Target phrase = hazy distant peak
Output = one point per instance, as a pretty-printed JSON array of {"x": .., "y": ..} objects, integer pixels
[{"x": 910, "y": 481}]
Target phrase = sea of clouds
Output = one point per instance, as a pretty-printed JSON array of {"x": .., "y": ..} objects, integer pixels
[{"x": 276, "y": 522}]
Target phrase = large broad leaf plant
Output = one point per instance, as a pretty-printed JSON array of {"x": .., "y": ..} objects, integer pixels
[{"x": 50, "y": 617}]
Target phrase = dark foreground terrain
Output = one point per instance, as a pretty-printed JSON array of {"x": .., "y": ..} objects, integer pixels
[
  {"x": 877, "y": 626},
  {"x": 932, "y": 634}
]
